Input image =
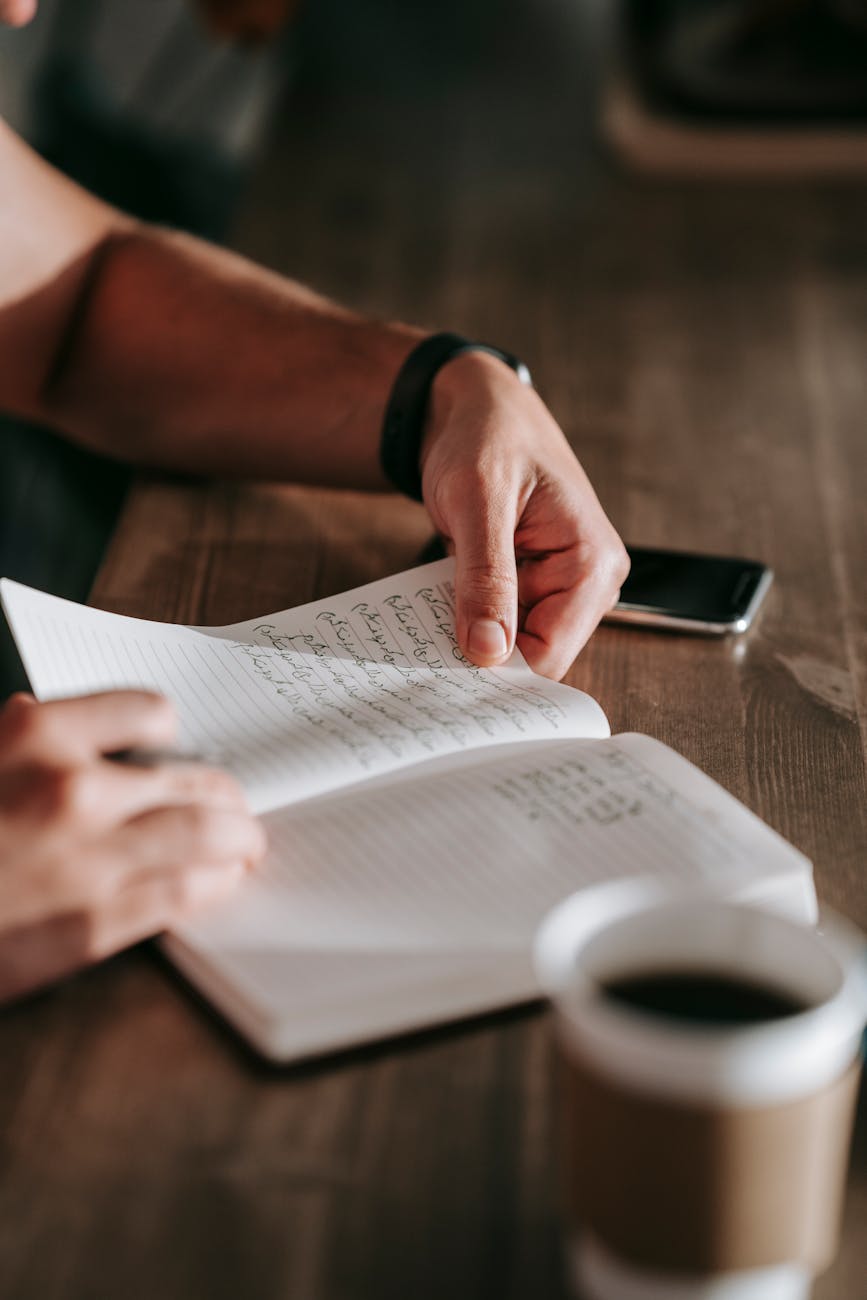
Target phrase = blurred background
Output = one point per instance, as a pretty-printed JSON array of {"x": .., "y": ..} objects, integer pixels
[
  {"x": 555, "y": 175},
  {"x": 661, "y": 205}
]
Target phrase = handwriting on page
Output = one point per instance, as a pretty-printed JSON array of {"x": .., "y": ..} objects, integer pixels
[
  {"x": 478, "y": 856},
  {"x": 311, "y": 699},
  {"x": 387, "y": 680},
  {"x": 577, "y": 791}
]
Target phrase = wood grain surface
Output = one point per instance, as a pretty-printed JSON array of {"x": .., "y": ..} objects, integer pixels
[{"x": 704, "y": 349}]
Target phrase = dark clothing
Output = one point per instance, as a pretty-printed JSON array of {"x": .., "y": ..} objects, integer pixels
[{"x": 58, "y": 506}]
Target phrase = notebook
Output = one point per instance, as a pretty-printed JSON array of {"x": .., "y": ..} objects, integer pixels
[{"x": 423, "y": 813}]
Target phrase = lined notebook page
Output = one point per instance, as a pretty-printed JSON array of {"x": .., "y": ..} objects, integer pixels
[
  {"x": 472, "y": 860},
  {"x": 308, "y": 700}
]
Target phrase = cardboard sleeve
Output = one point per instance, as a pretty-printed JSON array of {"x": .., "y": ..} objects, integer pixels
[{"x": 674, "y": 1188}]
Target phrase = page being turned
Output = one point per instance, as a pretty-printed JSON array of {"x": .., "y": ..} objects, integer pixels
[
  {"x": 311, "y": 700},
  {"x": 381, "y": 666}
]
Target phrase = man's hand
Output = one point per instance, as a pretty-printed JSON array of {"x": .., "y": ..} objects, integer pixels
[
  {"x": 93, "y": 855},
  {"x": 537, "y": 560}
]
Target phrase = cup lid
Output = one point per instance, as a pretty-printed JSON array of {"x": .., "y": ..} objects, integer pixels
[{"x": 641, "y": 925}]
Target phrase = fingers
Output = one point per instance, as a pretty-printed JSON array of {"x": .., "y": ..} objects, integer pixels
[
  {"x": 41, "y": 951},
  {"x": 169, "y": 863},
  {"x": 159, "y": 900},
  {"x": 486, "y": 579},
  {"x": 83, "y": 801},
  {"x": 127, "y": 794},
  {"x": 78, "y": 902},
  {"x": 84, "y": 727},
  {"x": 105, "y": 794},
  {"x": 563, "y": 596},
  {"x": 501, "y": 480},
  {"x": 189, "y": 833},
  {"x": 98, "y": 855}
]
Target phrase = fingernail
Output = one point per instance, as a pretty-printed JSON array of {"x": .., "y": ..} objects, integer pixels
[{"x": 487, "y": 639}]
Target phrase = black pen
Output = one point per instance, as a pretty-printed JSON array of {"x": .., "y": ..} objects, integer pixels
[{"x": 154, "y": 757}]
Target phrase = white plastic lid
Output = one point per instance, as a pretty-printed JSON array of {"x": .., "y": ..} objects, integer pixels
[{"x": 638, "y": 926}]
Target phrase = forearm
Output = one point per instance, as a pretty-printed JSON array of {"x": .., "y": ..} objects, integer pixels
[
  {"x": 181, "y": 355},
  {"x": 156, "y": 348}
]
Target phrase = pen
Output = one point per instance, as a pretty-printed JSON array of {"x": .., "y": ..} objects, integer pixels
[{"x": 154, "y": 757}]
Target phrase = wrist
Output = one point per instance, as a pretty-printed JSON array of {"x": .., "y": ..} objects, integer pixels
[
  {"x": 469, "y": 374},
  {"x": 469, "y": 383},
  {"x": 443, "y": 372}
]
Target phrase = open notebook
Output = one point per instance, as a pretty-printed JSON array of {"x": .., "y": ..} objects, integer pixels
[{"x": 423, "y": 813}]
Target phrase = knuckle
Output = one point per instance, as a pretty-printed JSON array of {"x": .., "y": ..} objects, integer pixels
[
  {"x": 24, "y": 722},
  {"x": 206, "y": 831},
  {"x": 461, "y": 486},
  {"x": 490, "y": 480},
  {"x": 447, "y": 492},
  {"x": 20, "y": 703},
  {"x": 621, "y": 563},
  {"x": 610, "y": 563},
  {"x": 67, "y": 793}
]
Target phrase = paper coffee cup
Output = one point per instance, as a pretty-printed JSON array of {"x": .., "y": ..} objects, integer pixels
[{"x": 702, "y": 1161}]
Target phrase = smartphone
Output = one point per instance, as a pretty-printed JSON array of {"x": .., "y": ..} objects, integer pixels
[{"x": 711, "y": 594}]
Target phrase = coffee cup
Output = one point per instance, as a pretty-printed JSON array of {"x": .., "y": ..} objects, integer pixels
[{"x": 710, "y": 1055}]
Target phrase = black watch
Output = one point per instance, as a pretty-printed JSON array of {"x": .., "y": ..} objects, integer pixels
[{"x": 403, "y": 427}]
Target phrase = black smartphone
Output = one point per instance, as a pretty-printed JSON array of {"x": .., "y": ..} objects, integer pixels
[{"x": 711, "y": 594}]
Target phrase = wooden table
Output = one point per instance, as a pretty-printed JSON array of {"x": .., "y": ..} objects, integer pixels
[{"x": 705, "y": 351}]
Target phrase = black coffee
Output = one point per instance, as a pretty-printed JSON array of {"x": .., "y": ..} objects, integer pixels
[{"x": 701, "y": 998}]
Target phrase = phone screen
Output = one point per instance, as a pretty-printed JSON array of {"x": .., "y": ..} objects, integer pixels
[{"x": 703, "y": 588}]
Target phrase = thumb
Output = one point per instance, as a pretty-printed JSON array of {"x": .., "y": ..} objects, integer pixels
[{"x": 487, "y": 588}]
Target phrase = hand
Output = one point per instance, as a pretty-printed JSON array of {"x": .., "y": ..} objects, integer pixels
[
  {"x": 15, "y": 13},
  {"x": 537, "y": 561},
  {"x": 93, "y": 855}
]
